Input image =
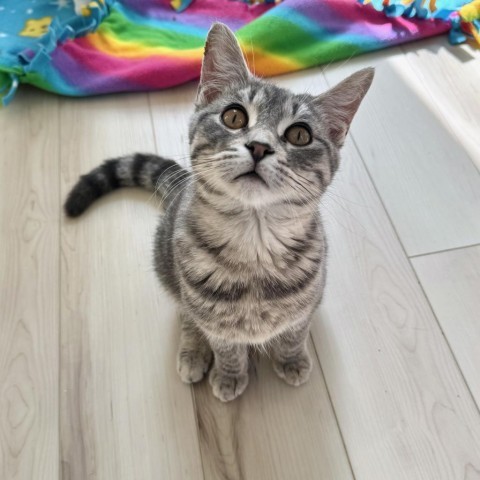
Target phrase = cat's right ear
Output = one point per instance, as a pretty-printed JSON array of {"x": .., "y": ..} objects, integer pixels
[
  {"x": 339, "y": 104},
  {"x": 223, "y": 65}
]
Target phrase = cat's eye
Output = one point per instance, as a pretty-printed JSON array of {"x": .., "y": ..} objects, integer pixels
[
  {"x": 298, "y": 134},
  {"x": 235, "y": 117}
]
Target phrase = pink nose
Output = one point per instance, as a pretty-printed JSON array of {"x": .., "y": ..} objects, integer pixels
[{"x": 259, "y": 150}]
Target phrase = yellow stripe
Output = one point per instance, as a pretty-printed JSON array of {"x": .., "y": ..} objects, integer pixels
[{"x": 112, "y": 46}]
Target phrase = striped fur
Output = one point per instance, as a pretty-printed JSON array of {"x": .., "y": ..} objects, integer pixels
[
  {"x": 244, "y": 254},
  {"x": 147, "y": 171}
]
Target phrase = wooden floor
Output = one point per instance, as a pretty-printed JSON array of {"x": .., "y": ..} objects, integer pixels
[{"x": 88, "y": 388}]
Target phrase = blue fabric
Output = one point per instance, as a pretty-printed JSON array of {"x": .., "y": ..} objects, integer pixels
[
  {"x": 31, "y": 29},
  {"x": 417, "y": 8}
]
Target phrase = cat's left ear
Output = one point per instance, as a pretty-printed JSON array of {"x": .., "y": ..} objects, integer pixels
[
  {"x": 223, "y": 65},
  {"x": 338, "y": 105}
]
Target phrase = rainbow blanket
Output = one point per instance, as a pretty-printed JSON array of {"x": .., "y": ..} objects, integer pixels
[{"x": 140, "y": 45}]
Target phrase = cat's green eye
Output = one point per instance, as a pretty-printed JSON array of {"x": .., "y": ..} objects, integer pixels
[
  {"x": 298, "y": 134},
  {"x": 235, "y": 117}
]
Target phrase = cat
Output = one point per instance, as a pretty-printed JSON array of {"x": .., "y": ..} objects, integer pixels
[{"x": 241, "y": 246}]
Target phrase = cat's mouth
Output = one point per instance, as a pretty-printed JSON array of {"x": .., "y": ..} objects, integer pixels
[{"x": 252, "y": 176}]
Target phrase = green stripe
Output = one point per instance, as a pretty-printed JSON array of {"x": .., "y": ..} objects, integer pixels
[
  {"x": 289, "y": 41},
  {"x": 35, "y": 78},
  {"x": 122, "y": 29}
]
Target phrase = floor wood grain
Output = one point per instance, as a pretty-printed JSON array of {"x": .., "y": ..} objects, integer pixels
[
  {"x": 452, "y": 283},
  {"x": 124, "y": 413},
  {"x": 29, "y": 288},
  {"x": 427, "y": 181}
]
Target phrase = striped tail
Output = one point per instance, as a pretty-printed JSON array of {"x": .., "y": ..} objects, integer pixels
[{"x": 151, "y": 172}]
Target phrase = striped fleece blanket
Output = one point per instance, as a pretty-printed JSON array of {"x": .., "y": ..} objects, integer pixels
[{"x": 140, "y": 45}]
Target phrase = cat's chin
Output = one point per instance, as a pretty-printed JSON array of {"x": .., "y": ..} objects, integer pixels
[
  {"x": 251, "y": 190},
  {"x": 252, "y": 179}
]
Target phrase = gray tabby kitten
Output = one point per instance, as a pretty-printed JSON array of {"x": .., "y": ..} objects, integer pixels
[{"x": 241, "y": 245}]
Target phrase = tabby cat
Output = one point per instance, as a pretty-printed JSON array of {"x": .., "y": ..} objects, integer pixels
[{"x": 240, "y": 244}]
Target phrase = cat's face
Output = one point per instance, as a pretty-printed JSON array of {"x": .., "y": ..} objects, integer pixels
[
  {"x": 259, "y": 144},
  {"x": 262, "y": 144}
]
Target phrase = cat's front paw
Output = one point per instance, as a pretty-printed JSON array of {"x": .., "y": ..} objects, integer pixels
[
  {"x": 193, "y": 364},
  {"x": 227, "y": 387},
  {"x": 294, "y": 371}
]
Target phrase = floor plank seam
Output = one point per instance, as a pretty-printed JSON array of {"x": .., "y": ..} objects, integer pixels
[
  {"x": 197, "y": 427},
  {"x": 333, "y": 409},
  {"x": 59, "y": 339},
  {"x": 426, "y": 254}
]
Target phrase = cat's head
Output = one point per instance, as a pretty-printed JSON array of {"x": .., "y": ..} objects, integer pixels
[{"x": 260, "y": 144}]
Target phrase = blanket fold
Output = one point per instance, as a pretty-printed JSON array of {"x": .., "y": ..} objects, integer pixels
[{"x": 141, "y": 45}]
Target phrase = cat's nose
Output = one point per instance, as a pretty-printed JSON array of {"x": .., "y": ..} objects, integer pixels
[{"x": 259, "y": 150}]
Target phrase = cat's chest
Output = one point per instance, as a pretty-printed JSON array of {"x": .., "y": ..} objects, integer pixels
[
  {"x": 250, "y": 280},
  {"x": 249, "y": 300},
  {"x": 247, "y": 269},
  {"x": 262, "y": 257},
  {"x": 259, "y": 243},
  {"x": 253, "y": 303},
  {"x": 250, "y": 255}
]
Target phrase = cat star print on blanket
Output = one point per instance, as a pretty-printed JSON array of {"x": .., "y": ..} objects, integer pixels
[{"x": 132, "y": 45}]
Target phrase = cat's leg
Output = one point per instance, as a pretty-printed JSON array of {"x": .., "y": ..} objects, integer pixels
[
  {"x": 291, "y": 360},
  {"x": 194, "y": 353},
  {"x": 229, "y": 375}
]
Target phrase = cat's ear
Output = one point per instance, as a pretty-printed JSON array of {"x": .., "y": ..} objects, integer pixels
[
  {"x": 223, "y": 64},
  {"x": 339, "y": 104}
]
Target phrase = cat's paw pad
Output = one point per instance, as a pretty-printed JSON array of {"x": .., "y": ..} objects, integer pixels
[
  {"x": 192, "y": 365},
  {"x": 294, "y": 371},
  {"x": 227, "y": 387}
]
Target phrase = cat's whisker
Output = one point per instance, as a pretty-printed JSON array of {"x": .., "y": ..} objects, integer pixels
[
  {"x": 331, "y": 192},
  {"x": 163, "y": 178},
  {"x": 172, "y": 183},
  {"x": 183, "y": 182},
  {"x": 353, "y": 217},
  {"x": 330, "y": 216},
  {"x": 173, "y": 177},
  {"x": 177, "y": 188},
  {"x": 180, "y": 191}
]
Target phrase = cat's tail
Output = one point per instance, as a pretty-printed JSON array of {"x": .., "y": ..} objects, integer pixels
[{"x": 151, "y": 172}]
